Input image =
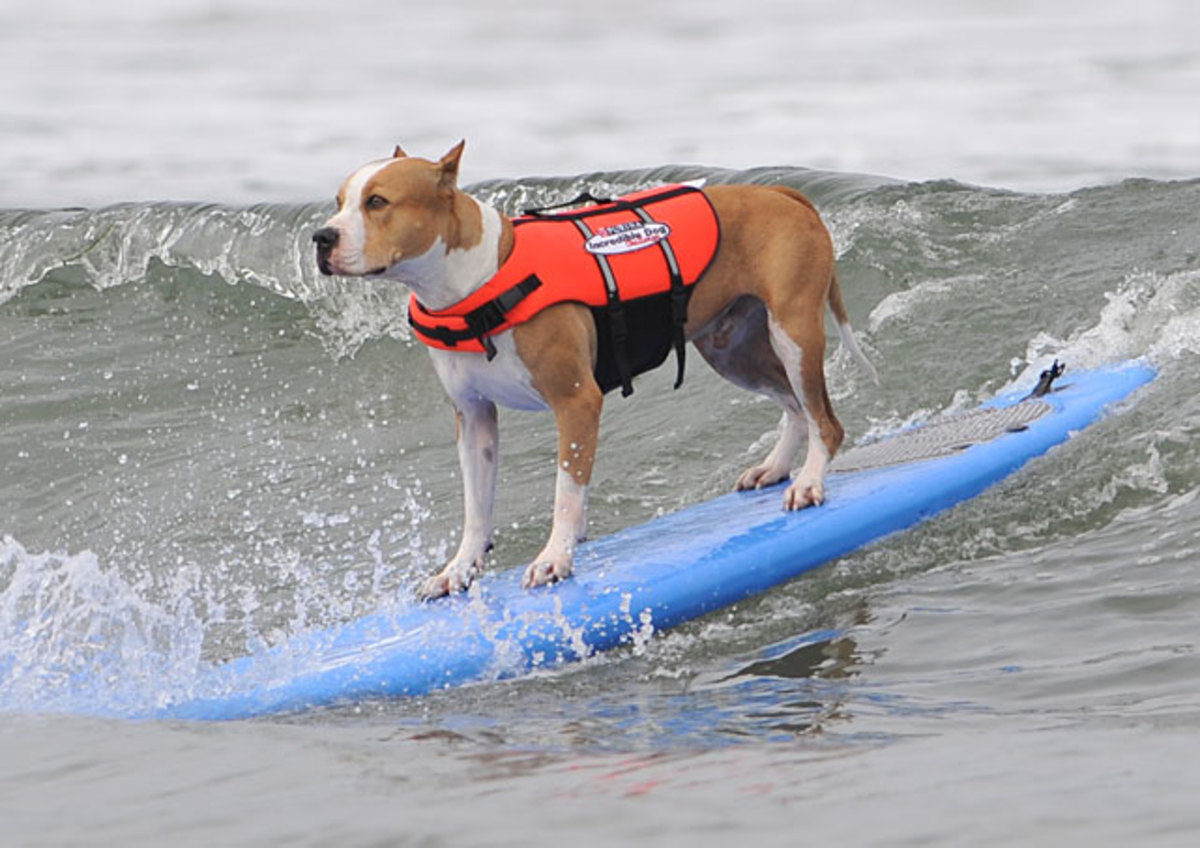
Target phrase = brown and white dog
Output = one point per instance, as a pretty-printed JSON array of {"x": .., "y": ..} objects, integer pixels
[{"x": 756, "y": 316}]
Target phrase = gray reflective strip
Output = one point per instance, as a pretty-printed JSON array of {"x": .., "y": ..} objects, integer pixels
[
  {"x": 665, "y": 244},
  {"x": 610, "y": 281},
  {"x": 941, "y": 438}
]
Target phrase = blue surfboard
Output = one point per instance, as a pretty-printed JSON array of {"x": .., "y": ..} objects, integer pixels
[{"x": 659, "y": 574}]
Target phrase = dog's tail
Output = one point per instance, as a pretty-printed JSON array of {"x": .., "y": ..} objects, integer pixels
[{"x": 838, "y": 307}]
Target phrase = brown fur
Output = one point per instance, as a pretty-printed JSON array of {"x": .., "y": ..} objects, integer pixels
[{"x": 562, "y": 340}]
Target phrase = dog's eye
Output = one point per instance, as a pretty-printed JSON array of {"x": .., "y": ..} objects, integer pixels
[{"x": 376, "y": 201}]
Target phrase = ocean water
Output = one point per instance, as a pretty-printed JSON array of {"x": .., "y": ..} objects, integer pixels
[{"x": 206, "y": 446}]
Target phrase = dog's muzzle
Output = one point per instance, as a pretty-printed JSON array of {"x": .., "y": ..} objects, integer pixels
[{"x": 326, "y": 240}]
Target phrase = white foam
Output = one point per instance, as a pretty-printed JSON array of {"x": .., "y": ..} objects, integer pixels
[
  {"x": 1150, "y": 315},
  {"x": 899, "y": 305}
]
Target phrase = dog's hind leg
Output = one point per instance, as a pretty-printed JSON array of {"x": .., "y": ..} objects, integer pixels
[
  {"x": 770, "y": 292},
  {"x": 738, "y": 347},
  {"x": 777, "y": 465},
  {"x": 804, "y": 362}
]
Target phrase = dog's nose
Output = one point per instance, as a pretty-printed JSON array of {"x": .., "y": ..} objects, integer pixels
[{"x": 326, "y": 238}]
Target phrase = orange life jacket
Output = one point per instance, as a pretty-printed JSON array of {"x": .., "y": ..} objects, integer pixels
[{"x": 633, "y": 260}]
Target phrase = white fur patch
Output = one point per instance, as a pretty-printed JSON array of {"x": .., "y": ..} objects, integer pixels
[
  {"x": 348, "y": 220},
  {"x": 816, "y": 458},
  {"x": 570, "y": 514},
  {"x": 505, "y": 380}
]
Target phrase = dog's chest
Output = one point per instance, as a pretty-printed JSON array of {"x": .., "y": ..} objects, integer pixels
[{"x": 504, "y": 380}]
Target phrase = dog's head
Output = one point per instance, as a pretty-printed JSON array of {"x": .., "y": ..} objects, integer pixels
[{"x": 389, "y": 211}]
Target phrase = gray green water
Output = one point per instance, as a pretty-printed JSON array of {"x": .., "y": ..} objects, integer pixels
[{"x": 205, "y": 446}]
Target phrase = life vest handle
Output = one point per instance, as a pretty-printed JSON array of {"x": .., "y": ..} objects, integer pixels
[{"x": 584, "y": 197}]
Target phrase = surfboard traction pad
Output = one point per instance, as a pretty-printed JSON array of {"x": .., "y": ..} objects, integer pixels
[{"x": 941, "y": 438}]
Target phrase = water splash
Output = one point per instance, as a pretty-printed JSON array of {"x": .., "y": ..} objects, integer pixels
[
  {"x": 1151, "y": 314},
  {"x": 80, "y": 635},
  {"x": 77, "y": 637}
]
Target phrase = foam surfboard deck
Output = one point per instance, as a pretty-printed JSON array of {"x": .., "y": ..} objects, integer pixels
[{"x": 659, "y": 574}]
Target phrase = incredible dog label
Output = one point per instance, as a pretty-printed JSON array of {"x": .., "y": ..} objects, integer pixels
[{"x": 626, "y": 238}]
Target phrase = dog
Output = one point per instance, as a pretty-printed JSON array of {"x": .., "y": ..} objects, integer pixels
[{"x": 755, "y": 313}]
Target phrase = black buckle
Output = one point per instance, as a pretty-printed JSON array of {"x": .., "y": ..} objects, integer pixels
[
  {"x": 443, "y": 335},
  {"x": 482, "y": 320}
]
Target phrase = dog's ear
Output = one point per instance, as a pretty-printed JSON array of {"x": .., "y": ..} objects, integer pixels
[
  {"x": 449, "y": 166},
  {"x": 399, "y": 153}
]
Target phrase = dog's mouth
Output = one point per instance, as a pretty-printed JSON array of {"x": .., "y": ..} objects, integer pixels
[
  {"x": 325, "y": 266},
  {"x": 327, "y": 239}
]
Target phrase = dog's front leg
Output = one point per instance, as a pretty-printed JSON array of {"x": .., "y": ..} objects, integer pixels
[
  {"x": 478, "y": 436},
  {"x": 578, "y": 418}
]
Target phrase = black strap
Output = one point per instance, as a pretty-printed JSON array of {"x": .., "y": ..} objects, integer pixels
[
  {"x": 618, "y": 328},
  {"x": 679, "y": 300},
  {"x": 483, "y": 320}
]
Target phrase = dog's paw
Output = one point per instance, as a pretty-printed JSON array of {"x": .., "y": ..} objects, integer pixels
[
  {"x": 542, "y": 572},
  {"x": 449, "y": 581},
  {"x": 804, "y": 493},
  {"x": 761, "y": 476}
]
